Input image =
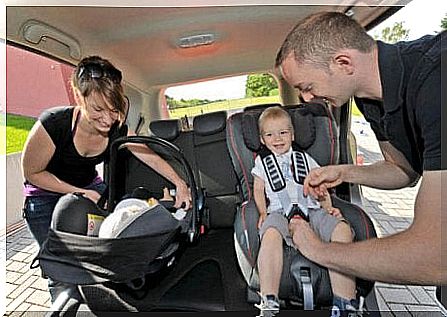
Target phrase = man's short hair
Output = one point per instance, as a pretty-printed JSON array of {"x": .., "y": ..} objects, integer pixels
[{"x": 319, "y": 36}]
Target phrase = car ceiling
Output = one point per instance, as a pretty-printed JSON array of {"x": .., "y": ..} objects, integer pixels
[{"x": 142, "y": 41}]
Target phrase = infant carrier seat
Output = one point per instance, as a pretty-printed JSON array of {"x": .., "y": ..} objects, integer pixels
[
  {"x": 303, "y": 283},
  {"x": 137, "y": 258}
]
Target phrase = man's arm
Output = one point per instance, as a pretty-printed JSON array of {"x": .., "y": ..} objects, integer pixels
[
  {"x": 393, "y": 172},
  {"x": 412, "y": 256}
]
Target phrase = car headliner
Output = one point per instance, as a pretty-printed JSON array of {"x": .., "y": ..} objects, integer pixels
[{"x": 143, "y": 41}]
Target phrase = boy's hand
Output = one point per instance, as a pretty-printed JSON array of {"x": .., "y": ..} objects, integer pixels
[
  {"x": 334, "y": 212},
  {"x": 261, "y": 220}
]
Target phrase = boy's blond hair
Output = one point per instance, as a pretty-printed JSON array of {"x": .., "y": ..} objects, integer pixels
[{"x": 272, "y": 113}]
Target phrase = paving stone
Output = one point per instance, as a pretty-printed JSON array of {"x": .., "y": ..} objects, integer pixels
[
  {"x": 22, "y": 287},
  {"x": 11, "y": 277},
  {"x": 23, "y": 308},
  {"x": 15, "y": 266},
  {"x": 39, "y": 298},
  {"x": 421, "y": 295},
  {"x": 400, "y": 225},
  {"x": 24, "y": 277},
  {"x": 38, "y": 310},
  {"x": 19, "y": 300},
  {"x": 399, "y": 310},
  {"x": 424, "y": 311},
  {"x": 41, "y": 284},
  {"x": 388, "y": 228},
  {"x": 20, "y": 256},
  {"x": 10, "y": 288},
  {"x": 398, "y": 295},
  {"x": 388, "y": 285}
]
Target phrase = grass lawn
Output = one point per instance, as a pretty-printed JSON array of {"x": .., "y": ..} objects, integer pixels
[{"x": 17, "y": 129}]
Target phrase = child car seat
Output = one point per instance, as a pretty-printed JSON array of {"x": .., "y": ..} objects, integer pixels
[
  {"x": 145, "y": 246},
  {"x": 302, "y": 282}
]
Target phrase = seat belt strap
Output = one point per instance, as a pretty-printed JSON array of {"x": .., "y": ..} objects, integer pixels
[{"x": 276, "y": 180}]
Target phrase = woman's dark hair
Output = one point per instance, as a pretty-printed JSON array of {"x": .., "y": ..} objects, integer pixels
[{"x": 97, "y": 75}]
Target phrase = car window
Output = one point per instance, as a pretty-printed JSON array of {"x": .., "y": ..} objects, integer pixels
[{"x": 230, "y": 94}]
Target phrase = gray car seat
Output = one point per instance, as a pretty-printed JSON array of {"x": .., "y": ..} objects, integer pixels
[{"x": 303, "y": 282}]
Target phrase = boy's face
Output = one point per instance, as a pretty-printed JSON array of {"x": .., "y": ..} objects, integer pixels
[{"x": 277, "y": 135}]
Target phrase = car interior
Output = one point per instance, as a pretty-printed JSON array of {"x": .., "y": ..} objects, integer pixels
[{"x": 157, "y": 46}]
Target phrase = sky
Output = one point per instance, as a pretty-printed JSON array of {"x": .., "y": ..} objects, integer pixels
[{"x": 421, "y": 17}]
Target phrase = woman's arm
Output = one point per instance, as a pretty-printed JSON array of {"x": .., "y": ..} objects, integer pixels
[
  {"x": 37, "y": 153},
  {"x": 150, "y": 158}
]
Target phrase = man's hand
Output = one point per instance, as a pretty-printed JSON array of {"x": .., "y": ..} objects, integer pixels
[
  {"x": 322, "y": 178},
  {"x": 304, "y": 238}
]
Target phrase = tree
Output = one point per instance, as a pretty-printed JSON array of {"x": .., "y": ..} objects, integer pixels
[
  {"x": 444, "y": 22},
  {"x": 393, "y": 34},
  {"x": 259, "y": 85}
]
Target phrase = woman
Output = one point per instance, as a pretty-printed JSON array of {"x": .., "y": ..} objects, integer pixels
[{"x": 66, "y": 144}]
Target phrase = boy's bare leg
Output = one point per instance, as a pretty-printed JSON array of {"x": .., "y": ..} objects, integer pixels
[
  {"x": 270, "y": 261},
  {"x": 342, "y": 285}
]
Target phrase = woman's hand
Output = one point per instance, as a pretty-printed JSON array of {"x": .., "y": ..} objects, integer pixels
[
  {"x": 182, "y": 196},
  {"x": 91, "y": 194}
]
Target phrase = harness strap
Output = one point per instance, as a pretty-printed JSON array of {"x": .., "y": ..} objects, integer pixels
[{"x": 276, "y": 180}]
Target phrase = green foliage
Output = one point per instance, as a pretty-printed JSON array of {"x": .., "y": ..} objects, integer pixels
[
  {"x": 17, "y": 129},
  {"x": 393, "y": 34},
  {"x": 274, "y": 92},
  {"x": 259, "y": 85},
  {"x": 444, "y": 22}
]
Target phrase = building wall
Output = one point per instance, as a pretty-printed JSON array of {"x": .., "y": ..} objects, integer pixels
[{"x": 35, "y": 83}]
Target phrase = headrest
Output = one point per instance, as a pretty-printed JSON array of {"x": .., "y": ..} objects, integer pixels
[
  {"x": 210, "y": 123},
  {"x": 166, "y": 129},
  {"x": 261, "y": 106},
  {"x": 302, "y": 120}
]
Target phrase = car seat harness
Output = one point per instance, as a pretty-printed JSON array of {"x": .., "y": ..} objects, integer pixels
[{"x": 277, "y": 181}]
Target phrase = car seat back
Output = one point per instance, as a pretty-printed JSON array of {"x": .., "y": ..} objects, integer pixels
[
  {"x": 215, "y": 170},
  {"x": 315, "y": 132}
]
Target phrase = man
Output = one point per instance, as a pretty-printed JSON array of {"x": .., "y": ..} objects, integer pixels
[{"x": 398, "y": 89}]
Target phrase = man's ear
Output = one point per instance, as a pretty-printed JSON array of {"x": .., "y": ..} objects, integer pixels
[
  {"x": 343, "y": 61},
  {"x": 260, "y": 139}
]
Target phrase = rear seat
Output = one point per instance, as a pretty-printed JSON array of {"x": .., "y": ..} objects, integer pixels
[{"x": 216, "y": 174}]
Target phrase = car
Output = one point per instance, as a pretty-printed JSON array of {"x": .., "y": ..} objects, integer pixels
[{"x": 162, "y": 46}]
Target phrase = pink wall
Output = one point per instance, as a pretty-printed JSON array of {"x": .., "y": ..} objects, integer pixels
[{"x": 35, "y": 83}]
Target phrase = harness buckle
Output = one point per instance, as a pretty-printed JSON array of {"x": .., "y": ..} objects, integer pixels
[{"x": 296, "y": 212}]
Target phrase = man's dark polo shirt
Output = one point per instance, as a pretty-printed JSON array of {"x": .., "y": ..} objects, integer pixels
[{"x": 410, "y": 115}]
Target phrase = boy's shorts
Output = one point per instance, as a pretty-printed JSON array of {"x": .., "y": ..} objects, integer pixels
[{"x": 321, "y": 222}]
